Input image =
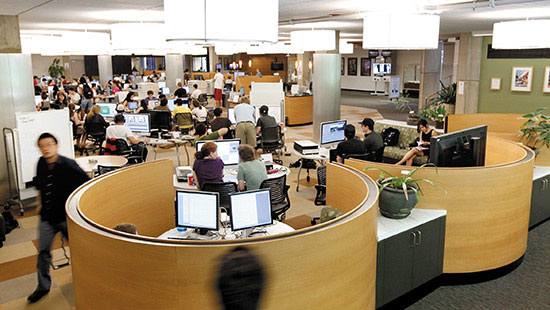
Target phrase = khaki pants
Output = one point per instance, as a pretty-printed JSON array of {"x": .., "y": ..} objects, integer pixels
[{"x": 246, "y": 132}]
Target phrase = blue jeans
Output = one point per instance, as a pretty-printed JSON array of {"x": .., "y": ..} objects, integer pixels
[
  {"x": 46, "y": 233},
  {"x": 86, "y": 104}
]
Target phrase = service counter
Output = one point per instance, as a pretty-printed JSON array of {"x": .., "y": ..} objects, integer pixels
[
  {"x": 299, "y": 110},
  {"x": 327, "y": 266},
  {"x": 487, "y": 207}
]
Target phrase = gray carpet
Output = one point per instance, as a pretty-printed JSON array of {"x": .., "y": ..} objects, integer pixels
[{"x": 380, "y": 103}]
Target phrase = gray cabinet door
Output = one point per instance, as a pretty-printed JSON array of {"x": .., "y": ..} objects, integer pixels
[
  {"x": 427, "y": 251},
  {"x": 539, "y": 202},
  {"x": 398, "y": 265}
]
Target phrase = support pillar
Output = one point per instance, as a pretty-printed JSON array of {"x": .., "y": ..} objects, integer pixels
[
  {"x": 430, "y": 74},
  {"x": 468, "y": 69},
  {"x": 105, "y": 66},
  {"x": 326, "y": 90},
  {"x": 212, "y": 59},
  {"x": 10, "y": 41},
  {"x": 174, "y": 70}
]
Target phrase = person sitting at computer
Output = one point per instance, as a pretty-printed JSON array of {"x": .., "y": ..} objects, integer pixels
[
  {"x": 127, "y": 228},
  {"x": 208, "y": 166},
  {"x": 94, "y": 116},
  {"x": 199, "y": 112},
  {"x": 43, "y": 105},
  {"x": 221, "y": 122},
  {"x": 196, "y": 92},
  {"x": 203, "y": 134},
  {"x": 129, "y": 97},
  {"x": 423, "y": 147},
  {"x": 229, "y": 84},
  {"x": 143, "y": 107},
  {"x": 163, "y": 106},
  {"x": 150, "y": 96},
  {"x": 180, "y": 92},
  {"x": 373, "y": 141},
  {"x": 180, "y": 108},
  {"x": 119, "y": 131},
  {"x": 61, "y": 101},
  {"x": 352, "y": 144},
  {"x": 265, "y": 120},
  {"x": 74, "y": 97},
  {"x": 251, "y": 171}
]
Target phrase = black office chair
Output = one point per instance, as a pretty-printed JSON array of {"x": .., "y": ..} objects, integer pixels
[
  {"x": 278, "y": 191},
  {"x": 378, "y": 155},
  {"x": 161, "y": 119},
  {"x": 96, "y": 134},
  {"x": 134, "y": 153},
  {"x": 104, "y": 169},
  {"x": 321, "y": 187},
  {"x": 272, "y": 141},
  {"x": 224, "y": 189}
]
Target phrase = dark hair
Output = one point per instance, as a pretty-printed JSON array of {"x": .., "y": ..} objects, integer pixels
[
  {"x": 129, "y": 96},
  {"x": 219, "y": 70},
  {"x": 206, "y": 149},
  {"x": 246, "y": 152},
  {"x": 422, "y": 122},
  {"x": 179, "y": 102},
  {"x": 119, "y": 118},
  {"x": 197, "y": 104},
  {"x": 263, "y": 110},
  {"x": 164, "y": 102},
  {"x": 82, "y": 80},
  {"x": 150, "y": 92},
  {"x": 126, "y": 227},
  {"x": 241, "y": 279},
  {"x": 44, "y": 95},
  {"x": 200, "y": 129},
  {"x": 144, "y": 105},
  {"x": 162, "y": 96},
  {"x": 349, "y": 132},
  {"x": 195, "y": 86},
  {"x": 46, "y": 135},
  {"x": 218, "y": 112},
  {"x": 368, "y": 122}
]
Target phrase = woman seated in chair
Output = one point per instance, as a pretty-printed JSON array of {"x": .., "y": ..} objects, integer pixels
[
  {"x": 143, "y": 107},
  {"x": 251, "y": 170},
  {"x": 423, "y": 147},
  {"x": 199, "y": 112},
  {"x": 208, "y": 166}
]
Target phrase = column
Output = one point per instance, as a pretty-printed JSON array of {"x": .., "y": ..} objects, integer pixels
[
  {"x": 10, "y": 42},
  {"x": 105, "y": 68},
  {"x": 212, "y": 59},
  {"x": 430, "y": 74},
  {"x": 174, "y": 70},
  {"x": 326, "y": 90},
  {"x": 469, "y": 61}
]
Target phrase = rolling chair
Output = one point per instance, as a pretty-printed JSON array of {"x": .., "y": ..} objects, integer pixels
[
  {"x": 96, "y": 134},
  {"x": 321, "y": 187},
  {"x": 272, "y": 141},
  {"x": 161, "y": 119},
  {"x": 357, "y": 156},
  {"x": 378, "y": 155},
  {"x": 104, "y": 169},
  {"x": 135, "y": 154},
  {"x": 224, "y": 189},
  {"x": 184, "y": 122},
  {"x": 278, "y": 191}
]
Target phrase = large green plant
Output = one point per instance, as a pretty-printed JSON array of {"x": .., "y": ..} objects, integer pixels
[
  {"x": 404, "y": 182},
  {"x": 55, "y": 69},
  {"x": 434, "y": 112},
  {"x": 403, "y": 103},
  {"x": 447, "y": 94},
  {"x": 536, "y": 129}
]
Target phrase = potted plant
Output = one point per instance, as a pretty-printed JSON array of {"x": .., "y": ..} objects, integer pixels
[
  {"x": 435, "y": 112},
  {"x": 403, "y": 104},
  {"x": 399, "y": 194},
  {"x": 447, "y": 97},
  {"x": 536, "y": 130},
  {"x": 55, "y": 69}
]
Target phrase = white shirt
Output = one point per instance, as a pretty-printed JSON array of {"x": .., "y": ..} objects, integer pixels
[
  {"x": 244, "y": 112},
  {"x": 200, "y": 114},
  {"x": 74, "y": 98},
  {"x": 196, "y": 93},
  {"x": 119, "y": 132},
  {"x": 218, "y": 80}
]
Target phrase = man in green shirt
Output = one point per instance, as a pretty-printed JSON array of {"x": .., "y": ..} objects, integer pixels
[
  {"x": 251, "y": 171},
  {"x": 373, "y": 140},
  {"x": 202, "y": 134}
]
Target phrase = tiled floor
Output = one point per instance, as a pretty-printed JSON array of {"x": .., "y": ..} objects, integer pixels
[{"x": 18, "y": 256}]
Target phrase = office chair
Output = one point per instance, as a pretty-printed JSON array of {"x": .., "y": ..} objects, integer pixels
[
  {"x": 96, "y": 134},
  {"x": 378, "y": 155},
  {"x": 135, "y": 154},
  {"x": 224, "y": 189},
  {"x": 203, "y": 99},
  {"x": 184, "y": 122},
  {"x": 161, "y": 119},
  {"x": 321, "y": 187},
  {"x": 278, "y": 191},
  {"x": 104, "y": 169},
  {"x": 272, "y": 141}
]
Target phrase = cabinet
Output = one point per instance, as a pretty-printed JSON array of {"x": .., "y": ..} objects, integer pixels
[
  {"x": 540, "y": 200},
  {"x": 409, "y": 259}
]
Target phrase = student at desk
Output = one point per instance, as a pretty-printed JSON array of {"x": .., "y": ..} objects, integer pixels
[
  {"x": 150, "y": 96},
  {"x": 251, "y": 170},
  {"x": 180, "y": 92},
  {"x": 196, "y": 91},
  {"x": 94, "y": 120},
  {"x": 200, "y": 131},
  {"x": 221, "y": 122},
  {"x": 129, "y": 97},
  {"x": 163, "y": 106},
  {"x": 208, "y": 166},
  {"x": 352, "y": 145},
  {"x": 143, "y": 107},
  {"x": 119, "y": 131},
  {"x": 199, "y": 112},
  {"x": 180, "y": 108},
  {"x": 265, "y": 120}
]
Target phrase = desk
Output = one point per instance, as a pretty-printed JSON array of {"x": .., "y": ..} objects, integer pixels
[
  {"x": 322, "y": 156},
  {"x": 89, "y": 163},
  {"x": 230, "y": 175},
  {"x": 299, "y": 110},
  {"x": 176, "y": 142}
]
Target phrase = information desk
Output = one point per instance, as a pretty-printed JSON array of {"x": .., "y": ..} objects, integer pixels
[
  {"x": 115, "y": 270},
  {"x": 299, "y": 110}
]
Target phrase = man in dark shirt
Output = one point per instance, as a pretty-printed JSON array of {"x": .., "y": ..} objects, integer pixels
[
  {"x": 180, "y": 92},
  {"x": 56, "y": 178},
  {"x": 221, "y": 122},
  {"x": 352, "y": 145},
  {"x": 265, "y": 120},
  {"x": 373, "y": 140}
]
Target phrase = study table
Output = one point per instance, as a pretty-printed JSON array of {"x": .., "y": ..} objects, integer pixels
[
  {"x": 173, "y": 142},
  {"x": 321, "y": 156},
  {"x": 89, "y": 163}
]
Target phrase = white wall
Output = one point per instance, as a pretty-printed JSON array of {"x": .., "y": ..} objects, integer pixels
[
  {"x": 406, "y": 58},
  {"x": 358, "y": 82},
  {"x": 40, "y": 64}
]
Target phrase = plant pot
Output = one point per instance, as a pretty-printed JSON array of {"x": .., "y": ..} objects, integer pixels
[
  {"x": 450, "y": 108},
  {"x": 439, "y": 124},
  {"x": 413, "y": 119},
  {"x": 393, "y": 204}
]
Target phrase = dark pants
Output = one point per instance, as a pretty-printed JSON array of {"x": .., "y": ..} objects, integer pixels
[{"x": 46, "y": 233}]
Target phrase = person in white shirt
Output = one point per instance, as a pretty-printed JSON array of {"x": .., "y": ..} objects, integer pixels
[
  {"x": 218, "y": 87},
  {"x": 196, "y": 91},
  {"x": 119, "y": 131},
  {"x": 74, "y": 97},
  {"x": 199, "y": 112}
]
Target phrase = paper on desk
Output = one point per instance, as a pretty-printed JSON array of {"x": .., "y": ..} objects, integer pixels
[{"x": 267, "y": 157}]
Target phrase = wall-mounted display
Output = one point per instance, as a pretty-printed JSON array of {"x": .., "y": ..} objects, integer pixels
[
  {"x": 352, "y": 66},
  {"x": 365, "y": 67},
  {"x": 546, "y": 86},
  {"x": 343, "y": 66},
  {"x": 495, "y": 83},
  {"x": 522, "y": 78}
]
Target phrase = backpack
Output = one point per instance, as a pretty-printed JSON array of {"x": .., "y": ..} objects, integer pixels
[
  {"x": 87, "y": 91},
  {"x": 10, "y": 222},
  {"x": 390, "y": 136}
]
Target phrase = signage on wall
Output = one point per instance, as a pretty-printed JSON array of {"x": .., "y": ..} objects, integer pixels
[{"x": 395, "y": 86}]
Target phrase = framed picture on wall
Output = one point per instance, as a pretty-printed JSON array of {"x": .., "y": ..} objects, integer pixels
[
  {"x": 546, "y": 86},
  {"x": 343, "y": 65},
  {"x": 352, "y": 66},
  {"x": 365, "y": 67},
  {"x": 522, "y": 79},
  {"x": 495, "y": 83}
]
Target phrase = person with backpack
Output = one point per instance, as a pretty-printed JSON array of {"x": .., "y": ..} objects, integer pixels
[
  {"x": 423, "y": 147},
  {"x": 87, "y": 96}
]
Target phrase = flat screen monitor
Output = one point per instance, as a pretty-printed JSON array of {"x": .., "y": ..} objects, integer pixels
[
  {"x": 163, "y": 75},
  {"x": 197, "y": 209},
  {"x": 332, "y": 131},
  {"x": 241, "y": 91},
  {"x": 277, "y": 66},
  {"x": 145, "y": 79},
  {"x": 381, "y": 68},
  {"x": 235, "y": 97},
  {"x": 171, "y": 104},
  {"x": 161, "y": 84},
  {"x": 138, "y": 122},
  {"x": 126, "y": 86},
  {"x": 133, "y": 105},
  {"x": 186, "y": 89},
  {"x": 107, "y": 109},
  {"x": 228, "y": 150},
  {"x": 160, "y": 119},
  {"x": 250, "y": 209},
  {"x": 231, "y": 115},
  {"x": 463, "y": 148},
  {"x": 165, "y": 90}
]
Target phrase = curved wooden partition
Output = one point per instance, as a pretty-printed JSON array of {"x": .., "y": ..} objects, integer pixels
[
  {"x": 326, "y": 266},
  {"x": 487, "y": 207}
]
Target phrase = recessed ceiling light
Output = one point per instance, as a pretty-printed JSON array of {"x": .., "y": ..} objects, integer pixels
[{"x": 536, "y": 12}]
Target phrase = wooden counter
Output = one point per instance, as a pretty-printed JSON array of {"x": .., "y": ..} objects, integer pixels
[{"x": 299, "y": 110}]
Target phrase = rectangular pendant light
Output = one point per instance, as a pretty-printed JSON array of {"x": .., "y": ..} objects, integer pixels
[{"x": 522, "y": 34}]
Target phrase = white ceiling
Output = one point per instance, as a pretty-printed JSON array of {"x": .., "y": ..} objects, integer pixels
[{"x": 99, "y": 14}]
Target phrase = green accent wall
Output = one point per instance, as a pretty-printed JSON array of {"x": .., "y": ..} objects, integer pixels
[{"x": 505, "y": 100}]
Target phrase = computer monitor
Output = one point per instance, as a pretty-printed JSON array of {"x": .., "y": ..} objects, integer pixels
[
  {"x": 126, "y": 86},
  {"x": 138, "y": 122},
  {"x": 161, "y": 84},
  {"x": 381, "y": 68},
  {"x": 250, "y": 209},
  {"x": 165, "y": 90},
  {"x": 163, "y": 75},
  {"x": 235, "y": 97},
  {"x": 241, "y": 91},
  {"x": 107, "y": 109},
  {"x": 231, "y": 115},
  {"x": 133, "y": 105},
  {"x": 332, "y": 132},
  {"x": 463, "y": 148},
  {"x": 228, "y": 150},
  {"x": 125, "y": 77},
  {"x": 197, "y": 209},
  {"x": 160, "y": 119}
]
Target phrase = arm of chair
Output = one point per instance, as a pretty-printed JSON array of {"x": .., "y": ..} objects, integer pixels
[{"x": 287, "y": 187}]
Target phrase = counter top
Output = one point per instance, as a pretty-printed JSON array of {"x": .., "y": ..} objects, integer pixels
[
  {"x": 540, "y": 171},
  {"x": 390, "y": 227}
]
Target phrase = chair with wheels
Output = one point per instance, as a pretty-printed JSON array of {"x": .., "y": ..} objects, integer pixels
[
  {"x": 321, "y": 187},
  {"x": 224, "y": 189},
  {"x": 95, "y": 132},
  {"x": 278, "y": 191},
  {"x": 272, "y": 142},
  {"x": 135, "y": 154}
]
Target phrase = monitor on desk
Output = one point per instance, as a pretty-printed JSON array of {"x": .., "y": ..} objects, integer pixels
[
  {"x": 463, "y": 148},
  {"x": 138, "y": 122},
  {"x": 294, "y": 89},
  {"x": 332, "y": 132},
  {"x": 107, "y": 109},
  {"x": 186, "y": 89},
  {"x": 172, "y": 103},
  {"x": 197, "y": 209},
  {"x": 228, "y": 150},
  {"x": 165, "y": 90},
  {"x": 250, "y": 209},
  {"x": 160, "y": 119},
  {"x": 133, "y": 105}
]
